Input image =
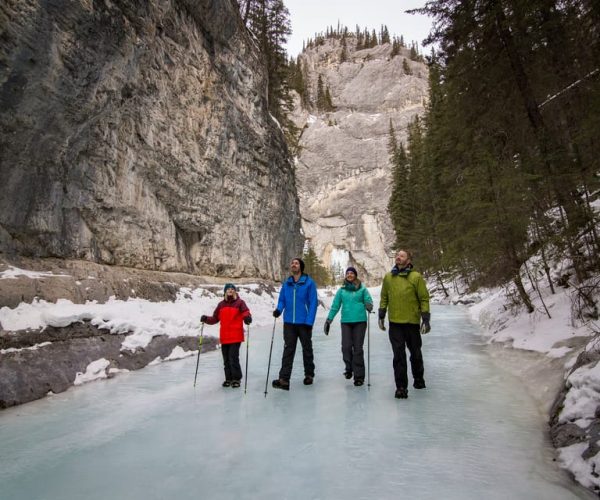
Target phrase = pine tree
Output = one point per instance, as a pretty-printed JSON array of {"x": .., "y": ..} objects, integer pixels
[
  {"x": 321, "y": 102},
  {"x": 344, "y": 52},
  {"x": 314, "y": 267},
  {"x": 397, "y": 204},
  {"x": 406, "y": 67},
  {"x": 395, "y": 47},
  {"x": 414, "y": 54},
  {"x": 384, "y": 37},
  {"x": 269, "y": 21},
  {"x": 374, "y": 41}
]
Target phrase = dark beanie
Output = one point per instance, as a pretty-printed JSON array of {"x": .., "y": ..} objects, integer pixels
[
  {"x": 301, "y": 263},
  {"x": 229, "y": 285},
  {"x": 351, "y": 270}
]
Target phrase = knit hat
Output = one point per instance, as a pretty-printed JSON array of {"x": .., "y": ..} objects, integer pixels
[
  {"x": 301, "y": 263},
  {"x": 229, "y": 285},
  {"x": 352, "y": 270}
]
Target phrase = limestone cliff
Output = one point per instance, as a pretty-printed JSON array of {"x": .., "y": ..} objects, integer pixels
[
  {"x": 343, "y": 167},
  {"x": 136, "y": 133}
]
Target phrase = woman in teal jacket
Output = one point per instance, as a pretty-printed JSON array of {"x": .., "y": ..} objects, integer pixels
[{"x": 354, "y": 299}]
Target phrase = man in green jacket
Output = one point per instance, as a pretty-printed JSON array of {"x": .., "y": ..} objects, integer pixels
[{"x": 404, "y": 295}]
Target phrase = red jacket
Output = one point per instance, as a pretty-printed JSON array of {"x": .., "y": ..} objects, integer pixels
[{"x": 231, "y": 314}]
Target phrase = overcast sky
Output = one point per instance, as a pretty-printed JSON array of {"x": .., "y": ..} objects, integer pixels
[{"x": 311, "y": 16}]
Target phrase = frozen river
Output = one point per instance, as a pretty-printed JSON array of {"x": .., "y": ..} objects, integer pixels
[{"x": 472, "y": 434}]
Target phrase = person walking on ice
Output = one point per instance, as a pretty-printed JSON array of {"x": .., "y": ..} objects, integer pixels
[
  {"x": 354, "y": 299},
  {"x": 405, "y": 297},
  {"x": 231, "y": 312},
  {"x": 298, "y": 303}
]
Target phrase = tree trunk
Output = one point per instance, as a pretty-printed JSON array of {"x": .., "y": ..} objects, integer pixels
[{"x": 523, "y": 294}]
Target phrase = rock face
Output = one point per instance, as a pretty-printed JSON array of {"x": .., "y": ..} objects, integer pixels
[
  {"x": 343, "y": 167},
  {"x": 30, "y": 374},
  {"x": 136, "y": 133}
]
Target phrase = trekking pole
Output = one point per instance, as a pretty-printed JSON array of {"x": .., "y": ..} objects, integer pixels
[
  {"x": 247, "y": 348},
  {"x": 369, "y": 351},
  {"x": 270, "y": 352},
  {"x": 199, "y": 351}
]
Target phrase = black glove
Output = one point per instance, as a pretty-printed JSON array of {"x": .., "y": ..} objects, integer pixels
[
  {"x": 203, "y": 318},
  {"x": 248, "y": 320},
  {"x": 425, "y": 326},
  {"x": 381, "y": 314},
  {"x": 369, "y": 307},
  {"x": 276, "y": 313},
  {"x": 327, "y": 326}
]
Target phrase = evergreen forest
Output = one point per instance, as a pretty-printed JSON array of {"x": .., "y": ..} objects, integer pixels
[{"x": 505, "y": 163}]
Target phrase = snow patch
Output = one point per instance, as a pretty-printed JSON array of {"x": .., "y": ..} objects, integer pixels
[
  {"x": 570, "y": 458},
  {"x": 13, "y": 272},
  {"x": 94, "y": 371},
  {"x": 30, "y": 348},
  {"x": 179, "y": 353},
  {"x": 583, "y": 396}
]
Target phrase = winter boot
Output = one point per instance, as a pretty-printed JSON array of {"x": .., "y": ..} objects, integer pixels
[
  {"x": 419, "y": 383},
  {"x": 227, "y": 383},
  {"x": 358, "y": 382},
  {"x": 401, "y": 393},
  {"x": 281, "y": 384},
  {"x": 308, "y": 380},
  {"x": 235, "y": 383},
  {"x": 348, "y": 375}
]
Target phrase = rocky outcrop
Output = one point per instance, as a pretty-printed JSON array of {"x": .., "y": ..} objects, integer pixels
[
  {"x": 136, "y": 133},
  {"x": 565, "y": 432},
  {"x": 33, "y": 364},
  {"x": 343, "y": 166}
]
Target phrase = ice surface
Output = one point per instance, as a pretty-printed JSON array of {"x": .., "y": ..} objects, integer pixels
[{"x": 473, "y": 433}]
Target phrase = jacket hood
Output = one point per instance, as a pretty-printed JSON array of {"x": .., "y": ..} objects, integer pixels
[
  {"x": 403, "y": 272},
  {"x": 352, "y": 287},
  {"x": 301, "y": 279}
]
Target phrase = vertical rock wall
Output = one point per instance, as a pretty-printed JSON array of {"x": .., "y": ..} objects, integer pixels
[{"x": 137, "y": 133}]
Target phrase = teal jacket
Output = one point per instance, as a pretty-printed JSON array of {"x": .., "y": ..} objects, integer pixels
[
  {"x": 404, "y": 294},
  {"x": 352, "y": 299}
]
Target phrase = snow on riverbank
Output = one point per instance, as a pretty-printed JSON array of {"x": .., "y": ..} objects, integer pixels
[{"x": 143, "y": 318}]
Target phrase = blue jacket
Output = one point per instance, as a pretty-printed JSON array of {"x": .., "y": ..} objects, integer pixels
[{"x": 298, "y": 300}]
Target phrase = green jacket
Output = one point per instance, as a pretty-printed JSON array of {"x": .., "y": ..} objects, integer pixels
[
  {"x": 405, "y": 297},
  {"x": 352, "y": 300}
]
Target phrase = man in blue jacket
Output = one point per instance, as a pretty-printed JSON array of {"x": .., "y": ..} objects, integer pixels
[{"x": 298, "y": 302}]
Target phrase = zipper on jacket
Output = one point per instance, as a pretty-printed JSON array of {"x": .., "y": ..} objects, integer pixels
[{"x": 294, "y": 306}]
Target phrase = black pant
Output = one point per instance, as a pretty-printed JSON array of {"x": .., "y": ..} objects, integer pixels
[
  {"x": 404, "y": 335},
  {"x": 231, "y": 361},
  {"x": 291, "y": 334},
  {"x": 353, "y": 338}
]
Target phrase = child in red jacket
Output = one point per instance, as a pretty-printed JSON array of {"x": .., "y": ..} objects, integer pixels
[{"x": 231, "y": 312}]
